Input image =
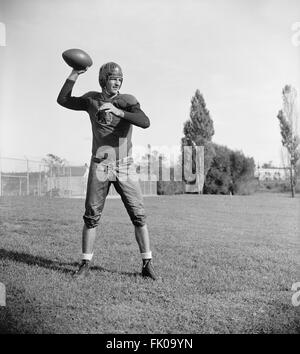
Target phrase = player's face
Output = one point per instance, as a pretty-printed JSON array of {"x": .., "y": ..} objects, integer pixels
[{"x": 113, "y": 85}]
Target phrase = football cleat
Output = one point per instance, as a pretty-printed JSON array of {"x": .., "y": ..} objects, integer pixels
[
  {"x": 147, "y": 270},
  {"x": 83, "y": 270}
]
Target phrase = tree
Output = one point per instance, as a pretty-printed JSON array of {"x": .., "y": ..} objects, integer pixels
[
  {"x": 218, "y": 177},
  {"x": 54, "y": 164},
  {"x": 242, "y": 173},
  {"x": 198, "y": 131},
  {"x": 231, "y": 172},
  {"x": 56, "y": 167},
  {"x": 288, "y": 119},
  {"x": 267, "y": 164}
]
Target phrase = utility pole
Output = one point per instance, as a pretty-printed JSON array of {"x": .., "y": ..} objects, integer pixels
[
  {"x": 40, "y": 182},
  {"x": 0, "y": 183},
  {"x": 27, "y": 179}
]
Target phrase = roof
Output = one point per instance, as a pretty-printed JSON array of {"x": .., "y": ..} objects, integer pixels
[
  {"x": 76, "y": 170},
  {"x": 272, "y": 168}
]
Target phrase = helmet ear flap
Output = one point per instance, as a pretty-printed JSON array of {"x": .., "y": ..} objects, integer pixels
[{"x": 102, "y": 82}]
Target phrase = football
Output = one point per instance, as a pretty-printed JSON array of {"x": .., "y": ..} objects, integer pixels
[{"x": 77, "y": 59}]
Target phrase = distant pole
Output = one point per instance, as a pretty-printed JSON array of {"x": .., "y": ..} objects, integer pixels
[
  {"x": 51, "y": 175},
  {"x": 40, "y": 182},
  {"x": 0, "y": 176},
  {"x": 20, "y": 187},
  {"x": 69, "y": 187},
  {"x": 27, "y": 179},
  {"x": 149, "y": 162}
]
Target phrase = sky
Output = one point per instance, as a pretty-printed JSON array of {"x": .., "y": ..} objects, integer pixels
[{"x": 238, "y": 53}]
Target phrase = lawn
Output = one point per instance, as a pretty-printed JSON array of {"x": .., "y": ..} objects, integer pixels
[{"x": 227, "y": 263}]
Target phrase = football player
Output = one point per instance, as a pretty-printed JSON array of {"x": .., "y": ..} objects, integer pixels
[{"x": 112, "y": 117}]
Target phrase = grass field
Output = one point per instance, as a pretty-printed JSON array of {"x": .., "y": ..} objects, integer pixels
[{"x": 228, "y": 264}]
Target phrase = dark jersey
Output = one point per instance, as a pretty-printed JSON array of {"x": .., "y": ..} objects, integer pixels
[{"x": 111, "y": 134}]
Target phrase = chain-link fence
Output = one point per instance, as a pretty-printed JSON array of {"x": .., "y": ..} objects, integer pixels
[
  {"x": 21, "y": 177},
  {"x": 25, "y": 177}
]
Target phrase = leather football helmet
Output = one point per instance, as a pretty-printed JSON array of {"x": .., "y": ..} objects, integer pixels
[{"x": 108, "y": 70}]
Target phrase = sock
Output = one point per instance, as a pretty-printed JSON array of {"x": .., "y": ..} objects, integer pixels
[
  {"x": 87, "y": 256},
  {"x": 146, "y": 256}
]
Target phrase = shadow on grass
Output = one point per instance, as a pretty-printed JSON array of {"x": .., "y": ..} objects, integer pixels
[{"x": 59, "y": 266}]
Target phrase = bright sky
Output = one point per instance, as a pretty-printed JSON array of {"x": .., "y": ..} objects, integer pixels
[{"x": 238, "y": 53}]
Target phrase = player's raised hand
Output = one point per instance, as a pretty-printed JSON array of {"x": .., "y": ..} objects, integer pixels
[{"x": 75, "y": 73}]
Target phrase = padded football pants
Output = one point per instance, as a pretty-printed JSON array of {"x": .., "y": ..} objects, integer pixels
[{"x": 122, "y": 174}]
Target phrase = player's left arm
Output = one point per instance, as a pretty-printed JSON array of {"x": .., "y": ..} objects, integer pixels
[
  {"x": 129, "y": 109},
  {"x": 136, "y": 116}
]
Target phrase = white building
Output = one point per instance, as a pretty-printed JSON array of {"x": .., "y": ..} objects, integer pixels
[{"x": 272, "y": 173}]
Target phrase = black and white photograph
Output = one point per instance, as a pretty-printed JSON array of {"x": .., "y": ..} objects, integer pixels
[{"x": 149, "y": 170}]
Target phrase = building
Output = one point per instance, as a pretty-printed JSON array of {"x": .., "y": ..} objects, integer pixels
[{"x": 272, "y": 173}]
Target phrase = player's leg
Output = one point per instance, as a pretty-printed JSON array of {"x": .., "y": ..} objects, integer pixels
[
  {"x": 97, "y": 190},
  {"x": 131, "y": 195},
  {"x": 88, "y": 241},
  {"x": 142, "y": 238}
]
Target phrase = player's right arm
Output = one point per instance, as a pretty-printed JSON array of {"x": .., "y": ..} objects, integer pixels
[{"x": 66, "y": 100}]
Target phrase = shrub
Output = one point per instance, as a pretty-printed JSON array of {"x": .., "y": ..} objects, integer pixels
[
  {"x": 170, "y": 187},
  {"x": 247, "y": 187},
  {"x": 277, "y": 186},
  {"x": 218, "y": 178},
  {"x": 230, "y": 172}
]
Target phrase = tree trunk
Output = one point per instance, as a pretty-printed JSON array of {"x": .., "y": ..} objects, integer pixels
[{"x": 292, "y": 182}]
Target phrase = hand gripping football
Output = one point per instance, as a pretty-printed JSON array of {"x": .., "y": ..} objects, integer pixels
[{"x": 77, "y": 59}]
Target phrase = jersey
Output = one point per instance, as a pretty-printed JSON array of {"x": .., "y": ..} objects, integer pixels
[{"x": 112, "y": 135}]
